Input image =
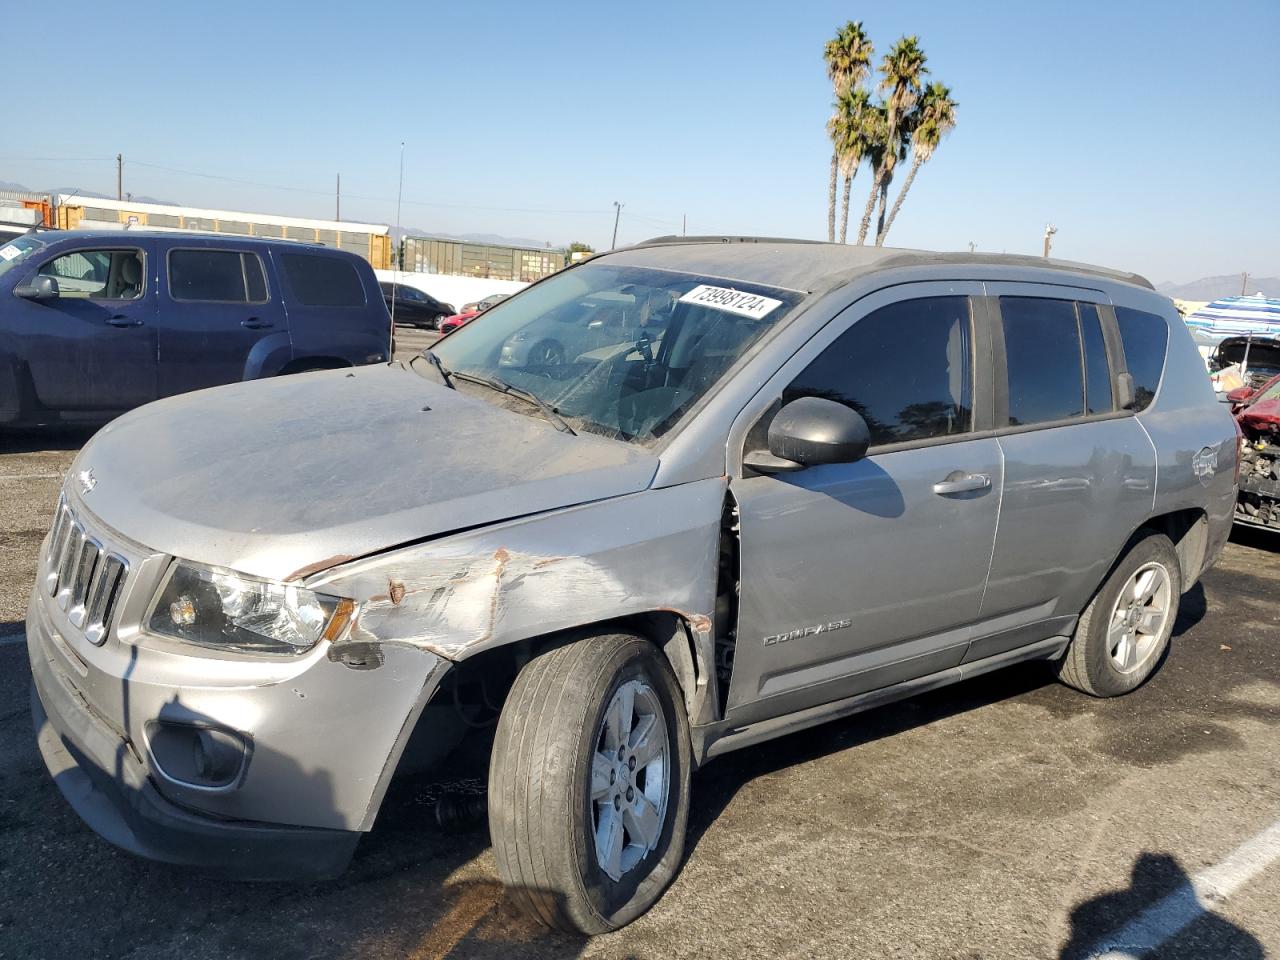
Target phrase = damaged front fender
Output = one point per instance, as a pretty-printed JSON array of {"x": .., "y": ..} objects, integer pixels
[{"x": 457, "y": 596}]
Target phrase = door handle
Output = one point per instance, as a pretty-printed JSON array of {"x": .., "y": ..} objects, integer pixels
[
  {"x": 958, "y": 482},
  {"x": 120, "y": 320},
  {"x": 253, "y": 323}
]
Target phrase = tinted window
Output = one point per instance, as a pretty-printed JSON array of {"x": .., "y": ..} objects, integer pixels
[
  {"x": 1097, "y": 375},
  {"x": 1145, "y": 337},
  {"x": 906, "y": 368},
  {"x": 1042, "y": 348},
  {"x": 216, "y": 275},
  {"x": 253, "y": 278},
  {"x": 97, "y": 274},
  {"x": 323, "y": 281}
]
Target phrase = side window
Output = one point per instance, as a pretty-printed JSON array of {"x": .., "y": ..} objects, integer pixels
[
  {"x": 216, "y": 276},
  {"x": 1097, "y": 373},
  {"x": 323, "y": 281},
  {"x": 906, "y": 368},
  {"x": 1145, "y": 337},
  {"x": 98, "y": 274},
  {"x": 1042, "y": 350}
]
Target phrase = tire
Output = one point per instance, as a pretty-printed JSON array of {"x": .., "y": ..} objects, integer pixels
[
  {"x": 546, "y": 353},
  {"x": 1112, "y": 652},
  {"x": 548, "y": 792}
]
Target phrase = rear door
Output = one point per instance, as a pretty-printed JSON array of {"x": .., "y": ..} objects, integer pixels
[
  {"x": 857, "y": 576},
  {"x": 336, "y": 310},
  {"x": 93, "y": 349},
  {"x": 1079, "y": 469},
  {"x": 217, "y": 308}
]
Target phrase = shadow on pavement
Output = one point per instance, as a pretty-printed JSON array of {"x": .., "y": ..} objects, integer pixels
[
  {"x": 1157, "y": 912},
  {"x": 45, "y": 438}
]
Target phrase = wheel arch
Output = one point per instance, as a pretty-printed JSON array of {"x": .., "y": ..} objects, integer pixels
[{"x": 303, "y": 364}]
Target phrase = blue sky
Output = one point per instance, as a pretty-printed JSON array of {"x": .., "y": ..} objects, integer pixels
[{"x": 1148, "y": 133}]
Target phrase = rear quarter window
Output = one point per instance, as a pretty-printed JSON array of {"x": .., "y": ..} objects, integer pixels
[
  {"x": 323, "y": 281},
  {"x": 1146, "y": 338}
]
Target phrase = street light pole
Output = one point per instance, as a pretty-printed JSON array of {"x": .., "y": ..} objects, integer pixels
[
  {"x": 1049, "y": 231},
  {"x": 617, "y": 215}
]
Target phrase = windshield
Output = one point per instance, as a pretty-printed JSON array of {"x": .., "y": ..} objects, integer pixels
[
  {"x": 1270, "y": 391},
  {"x": 16, "y": 251},
  {"x": 619, "y": 351}
]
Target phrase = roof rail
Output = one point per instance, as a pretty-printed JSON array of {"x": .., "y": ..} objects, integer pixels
[{"x": 672, "y": 239}]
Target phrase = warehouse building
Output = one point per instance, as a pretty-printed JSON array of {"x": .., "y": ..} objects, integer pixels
[
  {"x": 464, "y": 258},
  {"x": 370, "y": 240}
]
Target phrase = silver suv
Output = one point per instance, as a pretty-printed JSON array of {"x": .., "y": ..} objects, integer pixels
[{"x": 829, "y": 478}]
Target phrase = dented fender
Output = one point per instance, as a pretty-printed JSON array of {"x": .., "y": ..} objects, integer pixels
[{"x": 461, "y": 594}]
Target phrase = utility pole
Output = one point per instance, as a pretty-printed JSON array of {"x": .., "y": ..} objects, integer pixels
[
  {"x": 684, "y": 224},
  {"x": 398, "y": 255},
  {"x": 1049, "y": 231},
  {"x": 1244, "y": 283},
  {"x": 337, "y": 200},
  {"x": 617, "y": 215},
  {"x": 119, "y": 176}
]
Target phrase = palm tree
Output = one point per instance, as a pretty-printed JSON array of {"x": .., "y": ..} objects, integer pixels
[
  {"x": 935, "y": 118},
  {"x": 850, "y": 132},
  {"x": 902, "y": 71},
  {"x": 848, "y": 57}
]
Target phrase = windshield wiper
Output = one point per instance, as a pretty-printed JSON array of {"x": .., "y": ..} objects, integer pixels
[
  {"x": 439, "y": 365},
  {"x": 493, "y": 383}
]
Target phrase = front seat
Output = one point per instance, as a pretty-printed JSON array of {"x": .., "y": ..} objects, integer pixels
[{"x": 129, "y": 279}]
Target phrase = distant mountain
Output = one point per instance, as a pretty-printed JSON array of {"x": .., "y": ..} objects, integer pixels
[{"x": 1211, "y": 288}]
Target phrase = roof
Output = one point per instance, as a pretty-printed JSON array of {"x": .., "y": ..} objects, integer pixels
[
  {"x": 120, "y": 237},
  {"x": 202, "y": 213},
  {"x": 809, "y": 265}
]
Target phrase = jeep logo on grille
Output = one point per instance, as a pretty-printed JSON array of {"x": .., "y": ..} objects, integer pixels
[{"x": 87, "y": 480}]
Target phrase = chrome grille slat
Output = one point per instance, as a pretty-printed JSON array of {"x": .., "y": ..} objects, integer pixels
[
  {"x": 83, "y": 577},
  {"x": 86, "y": 566},
  {"x": 70, "y": 559},
  {"x": 102, "y": 597},
  {"x": 57, "y": 544}
]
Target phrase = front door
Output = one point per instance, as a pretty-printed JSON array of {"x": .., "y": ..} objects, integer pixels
[
  {"x": 93, "y": 348},
  {"x": 216, "y": 305},
  {"x": 857, "y": 576}
]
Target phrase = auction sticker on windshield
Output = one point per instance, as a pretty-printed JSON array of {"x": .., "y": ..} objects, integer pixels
[
  {"x": 9, "y": 252},
  {"x": 734, "y": 301}
]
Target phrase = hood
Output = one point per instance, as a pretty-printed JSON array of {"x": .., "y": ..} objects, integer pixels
[
  {"x": 284, "y": 477},
  {"x": 1263, "y": 352}
]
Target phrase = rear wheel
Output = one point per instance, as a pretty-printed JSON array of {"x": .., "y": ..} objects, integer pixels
[
  {"x": 1123, "y": 634},
  {"x": 589, "y": 783}
]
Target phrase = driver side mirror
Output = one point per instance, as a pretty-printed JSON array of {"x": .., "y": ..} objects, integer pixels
[
  {"x": 40, "y": 290},
  {"x": 809, "y": 432}
]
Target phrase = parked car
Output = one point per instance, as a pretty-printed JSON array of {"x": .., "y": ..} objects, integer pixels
[
  {"x": 1257, "y": 411},
  {"x": 1249, "y": 361},
  {"x": 841, "y": 476},
  {"x": 414, "y": 307},
  {"x": 577, "y": 328},
  {"x": 93, "y": 324},
  {"x": 470, "y": 311}
]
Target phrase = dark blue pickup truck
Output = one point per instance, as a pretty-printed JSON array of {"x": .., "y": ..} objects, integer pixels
[{"x": 93, "y": 324}]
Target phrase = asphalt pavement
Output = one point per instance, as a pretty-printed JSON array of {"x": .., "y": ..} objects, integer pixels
[{"x": 1005, "y": 817}]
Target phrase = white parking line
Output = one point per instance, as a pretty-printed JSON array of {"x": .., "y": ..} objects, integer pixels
[{"x": 1191, "y": 900}]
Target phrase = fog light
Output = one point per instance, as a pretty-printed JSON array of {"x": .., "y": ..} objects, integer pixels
[{"x": 198, "y": 756}]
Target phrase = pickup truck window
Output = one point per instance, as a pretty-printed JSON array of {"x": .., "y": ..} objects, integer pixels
[
  {"x": 906, "y": 368},
  {"x": 97, "y": 274}
]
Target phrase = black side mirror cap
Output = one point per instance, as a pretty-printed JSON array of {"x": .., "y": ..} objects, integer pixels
[
  {"x": 811, "y": 431},
  {"x": 39, "y": 290}
]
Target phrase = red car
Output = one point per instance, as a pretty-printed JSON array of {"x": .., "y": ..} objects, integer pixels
[
  {"x": 1257, "y": 414},
  {"x": 450, "y": 324}
]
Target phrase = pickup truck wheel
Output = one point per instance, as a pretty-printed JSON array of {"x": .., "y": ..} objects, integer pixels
[
  {"x": 589, "y": 783},
  {"x": 1123, "y": 634}
]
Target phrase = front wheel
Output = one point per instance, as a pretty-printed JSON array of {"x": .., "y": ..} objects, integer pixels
[{"x": 589, "y": 783}]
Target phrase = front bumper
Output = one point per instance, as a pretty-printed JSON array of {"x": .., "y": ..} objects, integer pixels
[{"x": 108, "y": 786}]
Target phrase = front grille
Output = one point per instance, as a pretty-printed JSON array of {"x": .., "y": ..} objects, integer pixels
[{"x": 82, "y": 577}]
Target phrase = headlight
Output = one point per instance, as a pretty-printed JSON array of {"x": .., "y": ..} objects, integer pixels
[{"x": 215, "y": 608}]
